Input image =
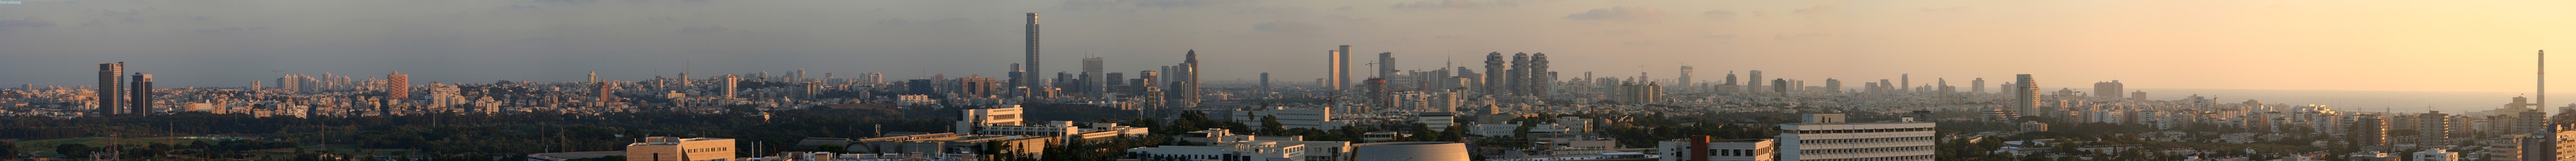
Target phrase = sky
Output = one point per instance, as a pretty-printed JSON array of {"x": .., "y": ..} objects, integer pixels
[{"x": 2262, "y": 44}]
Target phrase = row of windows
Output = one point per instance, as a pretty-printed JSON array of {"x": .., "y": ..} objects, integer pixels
[
  {"x": 1855, "y": 131},
  {"x": 1731, "y": 152},
  {"x": 1894, "y": 158},
  {"x": 1926, "y": 139},
  {"x": 1925, "y": 149},
  {"x": 714, "y": 149}
]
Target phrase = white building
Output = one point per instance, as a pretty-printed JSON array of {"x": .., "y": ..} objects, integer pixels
[
  {"x": 2437, "y": 155},
  {"x": 1220, "y": 145},
  {"x": 973, "y": 119},
  {"x": 1437, "y": 121},
  {"x": 1701, "y": 148},
  {"x": 1825, "y": 137},
  {"x": 1319, "y": 118}
]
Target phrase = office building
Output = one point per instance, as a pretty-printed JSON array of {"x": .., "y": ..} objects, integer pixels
[
  {"x": 141, "y": 95},
  {"x": 1825, "y": 136},
  {"x": 1093, "y": 86},
  {"x": 110, "y": 76},
  {"x": 1833, "y": 85},
  {"x": 1977, "y": 86},
  {"x": 1265, "y": 85},
  {"x": 1754, "y": 80},
  {"x": 975, "y": 87},
  {"x": 1342, "y": 73},
  {"x": 1029, "y": 73},
  {"x": 607, "y": 93},
  {"x": 1906, "y": 81},
  {"x": 1319, "y": 118},
  {"x": 1185, "y": 86},
  {"x": 1686, "y": 82},
  {"x": 2108, "y": 90},
  {"x": 2025, "y": 94},
  {"x": 1386, "y": 65},
  {"x": 1332, "y": 70},
  {"x": 397, "y": 86},
  {"x": 977, "y": 118},
  {"x": 661, "y": 148}
]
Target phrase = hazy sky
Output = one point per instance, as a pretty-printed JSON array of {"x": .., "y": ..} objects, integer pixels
[{"x": 2342, "y": 45}]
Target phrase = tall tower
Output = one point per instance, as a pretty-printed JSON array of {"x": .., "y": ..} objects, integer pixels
[
  {"x": 109, "y": 75},
  {"x": 142, "y": 95},
  {"x": 594, "y": 76},
  {"x": 1189, "y": 92},
  {"x": 1539, "y": 77},
  {"x": 607, "y": 93},
  {"x": 1092, "y": 84},
  {"x": 1753, "y": 80},
  {"x": 2025, "y": 93},
  {"x": 1386, "y": 64},
  {"x": 1332, "y": 69},
  {"x": 1518, "y": 80},
  {"x": 1905, "y": 82},
  {"x": 1977, "y": 86},
  {"x": 1686, "y": 78},
  {"x": 1344, "y": 75},
  {"x": 1265, "y": 83},
  {"x": 1029, "y": 75},
  {"x": 397, "y": 86},
  {"x": 729, "y": 84},
  {"x": 1494, "y": 73}
]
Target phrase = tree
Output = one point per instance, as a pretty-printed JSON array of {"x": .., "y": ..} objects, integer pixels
[
  {"x": 73, "y": 150},
  {"x": 9, "y": 150},
  {"x": 1270, "y": 126}
]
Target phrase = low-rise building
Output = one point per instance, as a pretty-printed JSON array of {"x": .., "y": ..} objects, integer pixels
[
  {"x": 1702, "y": 148},
  {"x": 681, "y": 149}
]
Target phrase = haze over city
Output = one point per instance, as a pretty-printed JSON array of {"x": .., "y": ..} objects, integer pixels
[{"x": 2304, "y": 45}]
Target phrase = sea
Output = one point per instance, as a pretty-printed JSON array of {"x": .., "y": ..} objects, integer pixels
[{"x": 2344, "y": 100}]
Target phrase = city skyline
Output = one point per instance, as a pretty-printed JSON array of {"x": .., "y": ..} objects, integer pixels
[{"x": 1805, "y": 40}]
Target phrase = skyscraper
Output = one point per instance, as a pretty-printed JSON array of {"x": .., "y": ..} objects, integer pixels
[
  {"x": 1906, "y": 82},
  {"x": 1977, "y": 86},
  {"x": 729, "y": 84},
  {"x": 1686, "y": 79},
  {"x": 1344, "y": 76},
  {"x": 109, "y": 76},
  {"x": 1539, "y": 77},
  {"x": 397, "y": 86},
  {"x": 2108, "y": 90},
  {"x": 1386, "y": 65},
  {"x": 1755, "y": 80},
  {"x": 1092, "y": 84},
  {"x": 1833, "y": 86},
  {"x": 1265, "y": 83},
  {"x": 607, "y": 93},
  {"x": 1333, "y": 69},
  {"x": 2025, "y": 93},
  {"x": 142, "y": 94},
  {"x": 1186, "y": 91},
  {"x": 1494, "y": 74},
  {"x": 1029, "y": 75},
  {"x": 594, "y": 76},
  {"x": 1517, "y": 81},
  {"x": 1730, "y": 85}
]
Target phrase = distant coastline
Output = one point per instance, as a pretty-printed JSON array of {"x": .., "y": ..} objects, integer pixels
[{"x": 2398, "y": 101}]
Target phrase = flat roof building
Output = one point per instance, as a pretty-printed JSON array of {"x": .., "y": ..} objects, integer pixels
[
  {"x": 681, "y": 149},
  {"x": 1825, "y": 137}
]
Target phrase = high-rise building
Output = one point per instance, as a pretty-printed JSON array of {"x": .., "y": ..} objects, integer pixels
[
  {"x": 1825, "y": 136},
  {"x": 1378, "y": 95},
  {"x": 1343, "y": 78},
  {"x": 975, "y": 86},
  {"x": 1332, "y": 70},
  {"x": 1730, "y": 85},
  {"x": 1265, "y": 83},
  {"x": 142, "y": 94},
  {"x": 1906, "y": 81},
  {"x": 729, "y": 85},
  {"x": 1516, "y": 82},
  {"x": 397, "y": 86},
  {"x": 1029, "y": 74},
  {"x": 1754, "y": 80},
  {"x": 1833, "y": 86},
  {"x": 1386, "y": 65},
  {"x": 607, "y": 93},
  {"x": 1977, "y": 86},
  {"x": 594, "y": 76},
  {"x": 1780, "y": 85},
  {"x": 1187, "y": 90},
  {"x": 1686, "y": 82},
  {"x": 2025, "y": 94},
  {"x": 1494, "y": 81},
  {"x": 2108, "y": 90},
  {"x": 110, "y": 75},
  {"x": 1539, "y": 77},
  {"x": 1093, "y": 85}
]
